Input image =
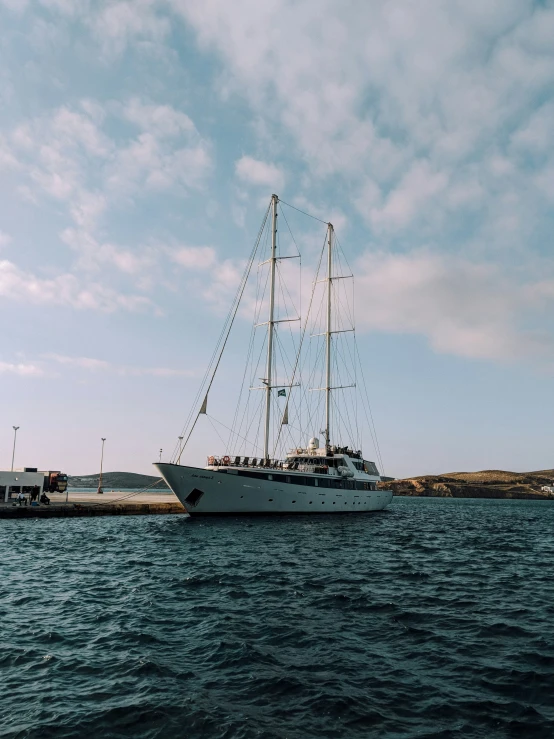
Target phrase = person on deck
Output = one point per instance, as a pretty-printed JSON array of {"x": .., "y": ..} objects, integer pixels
[
  {"x": 44, "y": 499},
  {"x": 21, "y": 498}
]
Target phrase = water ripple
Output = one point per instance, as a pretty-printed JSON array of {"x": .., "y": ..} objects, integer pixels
[{"x": 432, "y": 619}]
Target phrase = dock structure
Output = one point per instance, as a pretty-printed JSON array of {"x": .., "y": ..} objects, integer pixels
[{"x": 114, "y": 503}]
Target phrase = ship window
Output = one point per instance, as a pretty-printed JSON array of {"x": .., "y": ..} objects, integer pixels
[
  {"x": 287, "y": 478},
  {"x": 270, "y": 477},
  {"x": 299, "y": 480},
  {"x": 270, "y": 500},
  {"x": 279, "y": 478},
  {"x": 252, "y": 473},
  {"x": 294, "y": 501},
  {"x": 310, "y": 502}
]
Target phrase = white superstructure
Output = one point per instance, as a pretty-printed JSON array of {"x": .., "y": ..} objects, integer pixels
[{"x": 315, "y": 479}]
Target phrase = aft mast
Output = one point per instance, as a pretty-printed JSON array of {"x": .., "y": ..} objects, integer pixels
[
  {"x": 270, "y": 324},
  {"x": 328, "y": 339}
]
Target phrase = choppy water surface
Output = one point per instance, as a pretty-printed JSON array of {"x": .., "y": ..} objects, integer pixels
[{"x": 432, "y": 619}]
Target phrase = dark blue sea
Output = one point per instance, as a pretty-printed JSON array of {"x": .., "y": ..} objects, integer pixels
[{"x": 434, "y": 618}]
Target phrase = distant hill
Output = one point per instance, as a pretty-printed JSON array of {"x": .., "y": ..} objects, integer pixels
[
  {"x": 484, "y": 484},
  {"x": 116, "y": 481}
]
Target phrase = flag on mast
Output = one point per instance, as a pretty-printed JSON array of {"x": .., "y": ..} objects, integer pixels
[{"x": 281, "y": 393}]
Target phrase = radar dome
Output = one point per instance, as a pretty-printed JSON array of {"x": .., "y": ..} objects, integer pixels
[{"x": 313, "y": 443}]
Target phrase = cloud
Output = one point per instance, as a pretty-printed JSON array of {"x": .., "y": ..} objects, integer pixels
[
  {"x": 69, "y": 156},
  {"x": 193, "y": 257},
  {"x": 80, "y": 362},
  {"x": 7, "y": 159},
  {"x": 20, "y": 369},
  {"x": 65, "y": 290},
  {"x": 118, "y": 23},
  {"x": 255, "y": 172},
  {"x": 406, "y": 102},
  {"x": 17, "y": 6},
  {"x": 417, "y": 188},
  {"x": 471, "y": 310},
  {"x": 94, "y": 255},
  {"x": 160, "y": 120},
  {"x": 5, "y": 239},
  {"x": 100, "y": 365},
  {"x": 149, "y": 164}
]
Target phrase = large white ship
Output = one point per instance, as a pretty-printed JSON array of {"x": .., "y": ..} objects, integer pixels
[{"x": 315, "y": 479}]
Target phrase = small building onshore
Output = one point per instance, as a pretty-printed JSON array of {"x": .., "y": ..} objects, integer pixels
[{"x": 26, "y": 480}]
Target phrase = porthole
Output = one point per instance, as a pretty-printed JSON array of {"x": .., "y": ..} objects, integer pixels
[
  {"x": 310, "y": 502},
  {"x": 294, "y": 501},
  {"x": 334, "y": 503},
  {"x": 322, "y": 502},
  {"x": 270, "y": 500}
]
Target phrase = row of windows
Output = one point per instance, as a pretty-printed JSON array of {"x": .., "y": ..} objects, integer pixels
[
  {"x": 270, "y": 500},
  {"x": 321, "y": 482}
]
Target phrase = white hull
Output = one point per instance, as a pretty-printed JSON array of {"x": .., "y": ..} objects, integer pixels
[{"x": 209, "y": 492}]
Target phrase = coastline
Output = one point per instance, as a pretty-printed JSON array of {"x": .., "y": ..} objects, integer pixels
[{"x": 498, "y": 484}]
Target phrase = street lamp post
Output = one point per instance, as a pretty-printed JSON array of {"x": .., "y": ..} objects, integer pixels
[
  {"x": 14, "y": 438},
  {"x": 100, "y": 491}
]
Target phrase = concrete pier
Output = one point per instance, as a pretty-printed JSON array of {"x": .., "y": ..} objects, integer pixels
[{"x": 113, "y": 503}]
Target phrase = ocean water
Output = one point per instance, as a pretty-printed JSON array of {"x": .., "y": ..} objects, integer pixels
[{"x": 434, "y": 618}]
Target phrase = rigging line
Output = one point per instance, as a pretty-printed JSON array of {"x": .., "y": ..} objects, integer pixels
[
  {"x": 304, "y": 212},
  {"x": 303, "y": 333},
  {"x": 235, "y": 416},
  {"x": 252, "y": 370},
  {"x": 130, "y": 495},
  {"x": 217, "y": 432},
  {"x": 213, "y": 418},
  {"x": 239, "y": 294},
  {"x": 377, "y": 447},
  {"x": 344, "y": 255},
  {"x": 291, "y": 234},
  {"x": 222, "y": 333},
  {"x": 249, "y": 355},
  {"x": 282, "y": 288}
]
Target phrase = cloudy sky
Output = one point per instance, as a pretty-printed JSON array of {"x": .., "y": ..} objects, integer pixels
[{"x": 140, "y": 141}]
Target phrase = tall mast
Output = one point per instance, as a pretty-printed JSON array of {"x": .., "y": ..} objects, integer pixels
[
  {"x": 270, "y": 325},
  {"x": 328, "y": 339}
]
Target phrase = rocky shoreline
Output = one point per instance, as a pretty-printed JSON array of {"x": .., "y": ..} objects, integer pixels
[{"x": 484, "y": 484}]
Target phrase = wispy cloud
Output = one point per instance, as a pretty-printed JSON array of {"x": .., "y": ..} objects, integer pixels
[
  {"x": 21, "y": 369},
  {"x": 64, "y": 290},
  {"x": 120, "y": 22},
  {"x": 256, "y": 172},
  {"x": 467, "y": 309},
  {"x": 403, "y": 101},
  {"x": 100, "y": 365},
  {"x": 69, "y": 157}
]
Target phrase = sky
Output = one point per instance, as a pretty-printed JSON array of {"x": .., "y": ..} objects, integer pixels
[{"x": 140, "y": 143}]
